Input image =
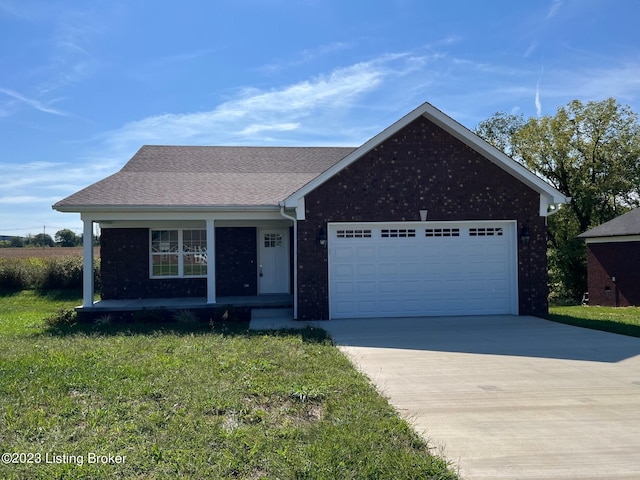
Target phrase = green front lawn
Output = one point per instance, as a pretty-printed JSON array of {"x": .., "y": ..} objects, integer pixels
[
  {"x": 189, "y": 401},
  {"x": 623, "y": 320}
]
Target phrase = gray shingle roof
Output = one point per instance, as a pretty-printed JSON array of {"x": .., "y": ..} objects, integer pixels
[
  {"x": 207, "y": 176},
  {"x": 624, "y": 225}
]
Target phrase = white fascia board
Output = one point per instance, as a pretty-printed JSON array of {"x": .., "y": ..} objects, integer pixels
[
  {"x": 301, "y": 209},
  {"x": 551, "y": 194},
  {"x": 106, "y": 215},
  {"x": 168, "y": 208},
  {"x": 550, "y": 207},
  {"x": 617, "y": 239}
]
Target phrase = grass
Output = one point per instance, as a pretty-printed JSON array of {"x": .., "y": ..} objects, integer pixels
[
  {"x": 183, "y": 400},
  {"x": 622, "y": 320}
]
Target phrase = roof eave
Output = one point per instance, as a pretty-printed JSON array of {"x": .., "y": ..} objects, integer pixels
[{"x": 164, "y": 208}]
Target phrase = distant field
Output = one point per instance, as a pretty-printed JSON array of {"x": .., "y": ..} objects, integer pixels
[{"x": 44, "y": 252}]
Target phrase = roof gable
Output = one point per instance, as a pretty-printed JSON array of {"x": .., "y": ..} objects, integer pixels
[
  {"x": 548, "y": 194},
  {"x": 622, "y": 226}
]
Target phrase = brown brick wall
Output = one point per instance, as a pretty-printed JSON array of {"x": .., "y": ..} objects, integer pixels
[
  {"x": 236, "y": 258},
  {"x": 620, "y": 260},
  {"x": 124, "y": 256},
  {"x": 420, "y": 167}
]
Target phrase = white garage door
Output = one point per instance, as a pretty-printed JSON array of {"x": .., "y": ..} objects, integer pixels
[{"x": 416, "y": 269}]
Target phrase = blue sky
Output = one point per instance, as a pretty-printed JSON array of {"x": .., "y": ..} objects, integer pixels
[{"x": 84, "y": 84}]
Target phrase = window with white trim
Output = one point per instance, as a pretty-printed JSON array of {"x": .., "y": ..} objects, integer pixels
[
  {"x": 272, "y": 240},
  {"x": 441, "y": 232},
  {"x": 398, "y": 232},
  {"x": 178, "y": 253},
  {"x": 486, "y": 232},
  {"x": 353, "y": 233}
]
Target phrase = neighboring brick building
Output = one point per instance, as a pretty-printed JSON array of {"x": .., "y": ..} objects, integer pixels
[
  {"x": 613, "y": 261},
  {"x": 423, "y": 219}
]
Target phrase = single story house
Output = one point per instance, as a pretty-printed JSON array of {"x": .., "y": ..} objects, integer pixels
[
  {"x": 613, "y": 258},
  {"x": 425, "y": 218}
]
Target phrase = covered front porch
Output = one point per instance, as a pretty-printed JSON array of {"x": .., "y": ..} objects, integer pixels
[{"x": 173, "y": 261}]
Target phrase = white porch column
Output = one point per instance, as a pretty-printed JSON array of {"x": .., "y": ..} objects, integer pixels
[
  {"x": 87, "y": 263},
  {"x": 211, "y": 261}
]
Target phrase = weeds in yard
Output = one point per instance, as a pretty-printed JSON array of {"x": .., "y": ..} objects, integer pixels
[
  {"x": 185, "y": 317},
  {"x": 104, "y": 320},
  {"x": 307, "y": 393},
  {"x": 63, "y": 318}
]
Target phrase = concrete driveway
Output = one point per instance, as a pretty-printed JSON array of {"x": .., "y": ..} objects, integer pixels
[{"x": 507, "y": 397}]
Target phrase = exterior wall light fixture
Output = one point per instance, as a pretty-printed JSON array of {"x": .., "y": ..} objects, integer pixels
[
  {"x": 321, "y": 238},
  {"x": 525, "y": 236}
]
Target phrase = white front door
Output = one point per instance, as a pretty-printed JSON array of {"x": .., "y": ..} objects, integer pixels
[{"x": 273, "y": 258}]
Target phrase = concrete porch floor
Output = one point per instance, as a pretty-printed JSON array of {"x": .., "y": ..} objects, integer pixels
[{"x": 188, "y": 303}]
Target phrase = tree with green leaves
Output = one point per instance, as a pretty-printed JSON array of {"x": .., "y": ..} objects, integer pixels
[
  {"x": 42, "y": 240},
  {"x": 591, "y": 153},
  {"x": 16, "y": 242},
  {"x": 66, "y": 238}
]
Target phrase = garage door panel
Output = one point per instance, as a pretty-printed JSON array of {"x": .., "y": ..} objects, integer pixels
[
  {"x": 365, "y": 252},
  {"x": 344, "y": 309},
  {"x": 343, "y": 252},
  {"x": 475, "y": 268},
  {"x": 367, "y": 308},
  {"x": 405, "y": 273},
  {"x": 411, "y": 287},
  {"x": 388, "y": 251},
  {"x": 499, "y": 251},
  {"x": 387, "y": 269},
  {"x": 342, "y": 270},
  {"x": 367, "y": 287},
  {"x": 386, "y": 286},
  {"x": 496, "y": 269},
  {"x": 390, "y": 307},
  {"x": 364, "y": 270},
  {"x": 344, "y": 288},
  {"x": 408, "y": 269},
  {"x": 410, "y": 251}
]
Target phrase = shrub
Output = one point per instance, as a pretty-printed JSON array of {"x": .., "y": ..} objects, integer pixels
[
  {"x": 63, "y": 318},
  {"x": 44, "y": 273},
  {"x": 62, "y": 273},
  {"x": 13, "y": 275},
  {"x": 20, "y": 273}
]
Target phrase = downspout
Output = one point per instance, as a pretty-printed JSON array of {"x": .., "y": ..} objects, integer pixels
[{"x": 295, "y": 259}]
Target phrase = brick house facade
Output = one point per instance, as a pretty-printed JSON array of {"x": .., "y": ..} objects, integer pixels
[
  {"x": 613, "y": 256},
  {"x": 256, "y": 210},
  {"x": 421, "y": 166}
]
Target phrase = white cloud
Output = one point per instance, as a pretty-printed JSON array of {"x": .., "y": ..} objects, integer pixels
[
  {"x": 532, "y": 48},
  {"x": 254, "y": 111},
  {"x": 537, "y": 101},
  {"x": 257, "y": 128},
  {"x": 306, "y": 56},
  {"x": 33, "y": 103},
  {"x": 555, "y": 7},
  {"x": 26, "y": 199}
]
